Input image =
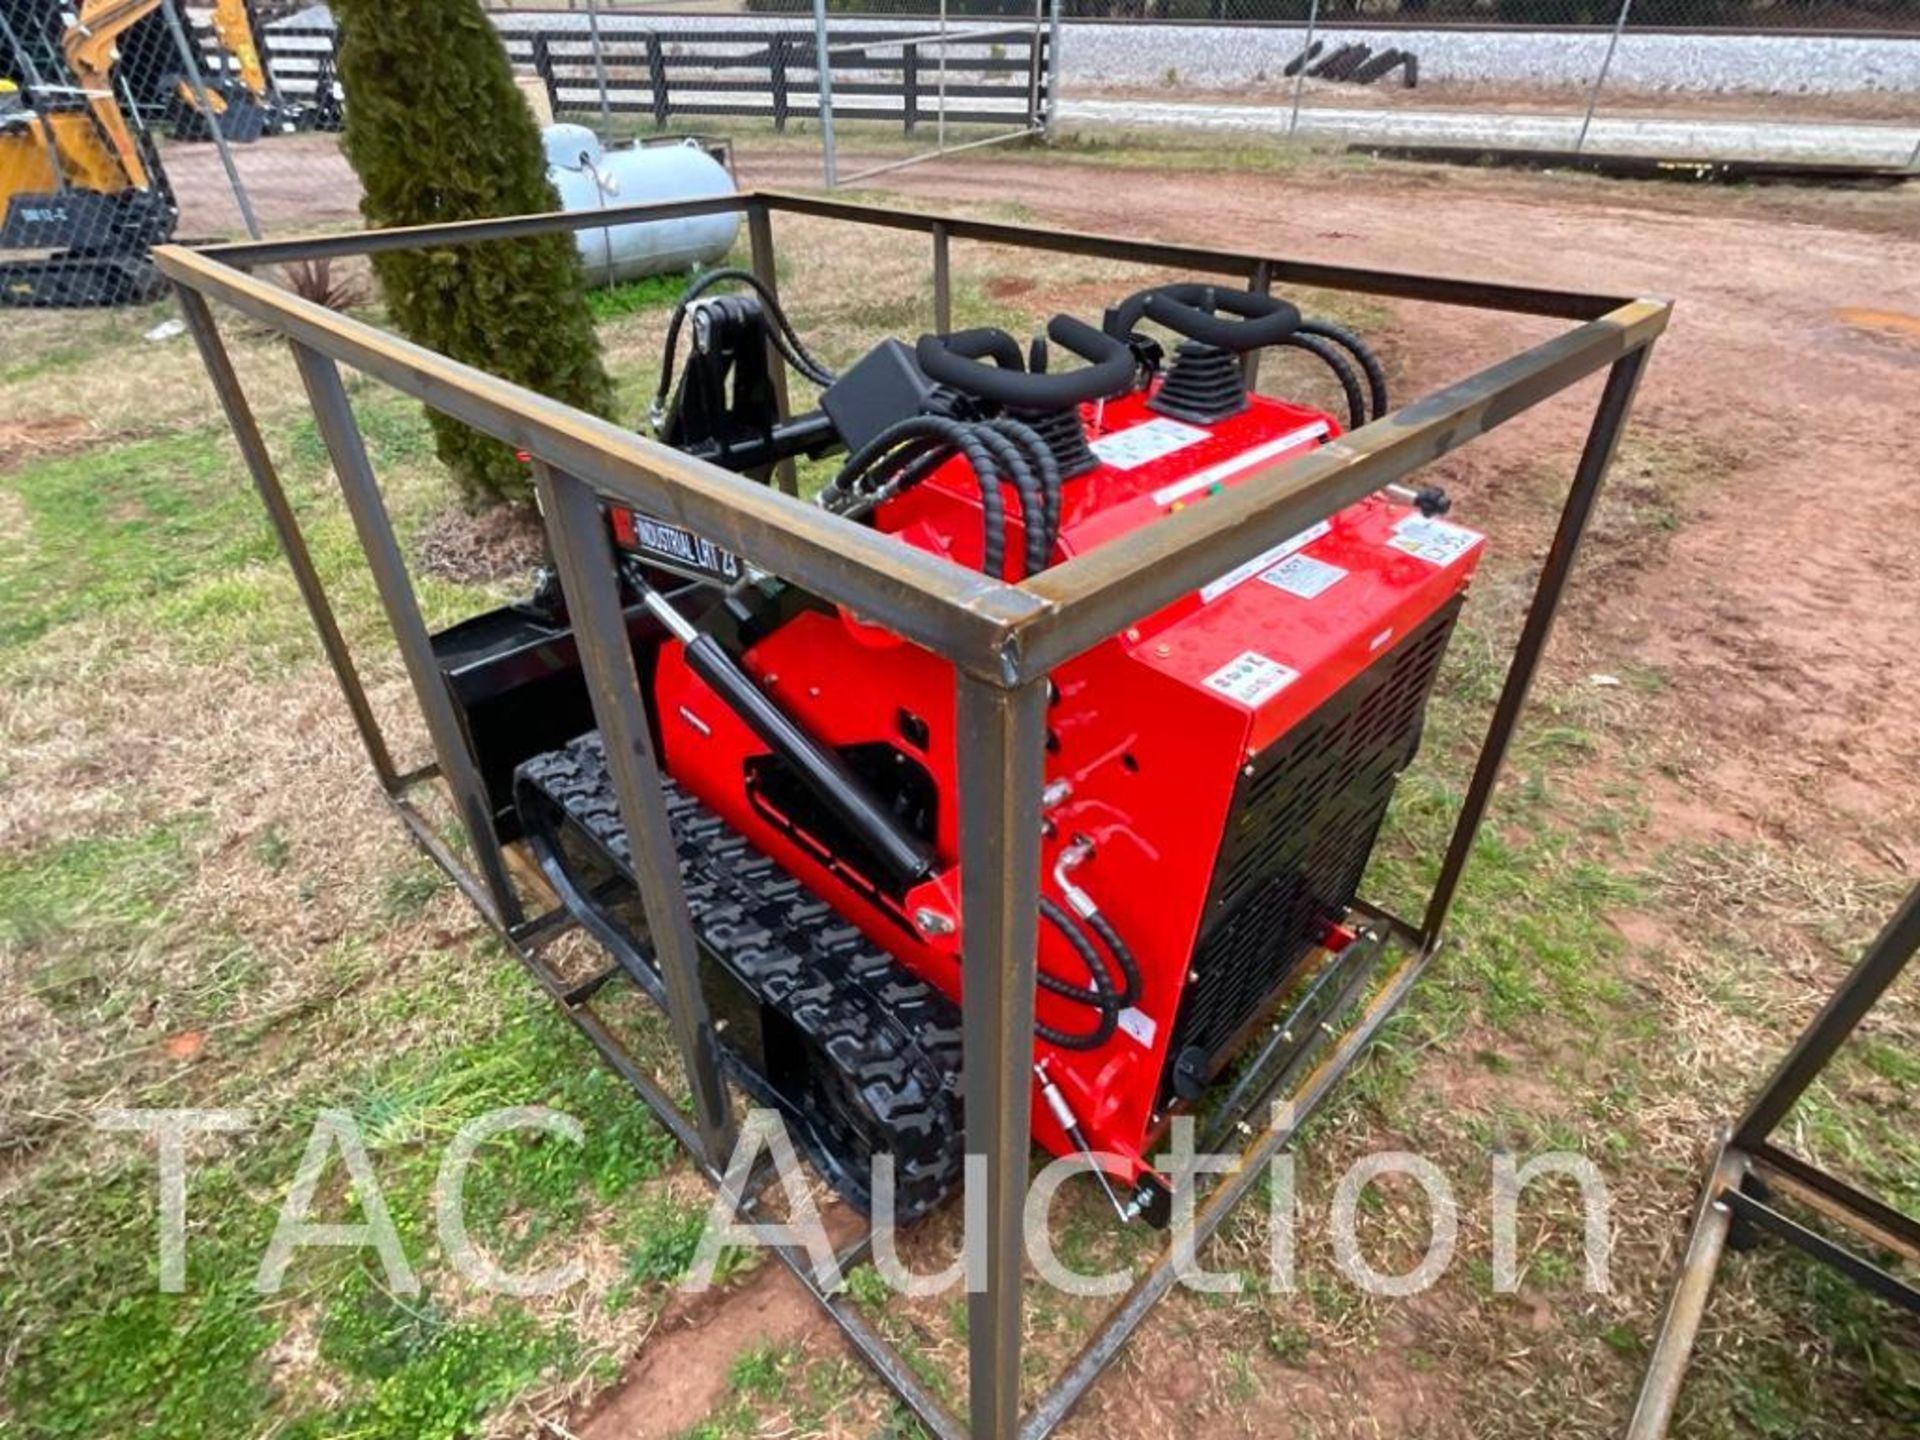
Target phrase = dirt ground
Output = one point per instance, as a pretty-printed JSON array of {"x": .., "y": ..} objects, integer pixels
[
  {"x": 296, "y": 184},
  {"x": 1779, "y": 610}
]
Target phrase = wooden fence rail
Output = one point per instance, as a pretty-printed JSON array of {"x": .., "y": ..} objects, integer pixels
[{"x": 770, "y": 73}]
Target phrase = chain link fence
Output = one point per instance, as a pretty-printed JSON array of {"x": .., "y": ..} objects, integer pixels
[
  {"x": 173, "y": 119},
  {"x": 1786, "y": 80}
]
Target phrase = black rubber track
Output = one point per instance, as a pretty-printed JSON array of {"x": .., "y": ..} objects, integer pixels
[{"x": 883, "y": 1047}]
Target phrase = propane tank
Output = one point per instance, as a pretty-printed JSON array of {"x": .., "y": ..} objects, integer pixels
[{"x": 589, "y": 176}]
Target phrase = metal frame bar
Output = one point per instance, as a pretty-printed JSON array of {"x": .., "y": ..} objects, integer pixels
[
  {"x": 1000, "y": 737},
  {"x": 583, "y": 552},
  {"x": 333, "y": 412},
  {"x": 1748, "y": 1155},
  {"x": 1003, "y": 640}
]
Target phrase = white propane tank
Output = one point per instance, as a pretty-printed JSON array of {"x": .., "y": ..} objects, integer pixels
[
  {"x": 570, "y": 145},
  {"x": 590, "y": 177}
]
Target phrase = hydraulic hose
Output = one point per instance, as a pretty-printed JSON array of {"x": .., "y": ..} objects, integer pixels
[
  {"x": 1123, "y": 957},
  {"x": 1099, "y": 997},
  {"x": 1026, "y": 486},
  {"x": 1047, "y": 468},
  {"x": 785, "y": 339},
  {"x": 963, "y": 438},
  {"x": 1369, "y": 362},
  {"x": 886, "y": 477},
  {"x": 1330, "y": 355}
]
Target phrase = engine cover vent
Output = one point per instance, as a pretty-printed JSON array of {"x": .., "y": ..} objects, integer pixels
[{"x": 1298, "y": 840}]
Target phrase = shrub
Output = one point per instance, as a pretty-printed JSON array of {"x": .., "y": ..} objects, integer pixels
[{"x": 438, "y": 132}]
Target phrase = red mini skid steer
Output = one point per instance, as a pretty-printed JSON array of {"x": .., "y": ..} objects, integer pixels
[{"x": 1215, "y": 776}]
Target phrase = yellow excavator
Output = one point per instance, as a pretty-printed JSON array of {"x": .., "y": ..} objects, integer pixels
[
  {"x": 81, "y": 184},
  {"x": 84, "y": 193},
  {"x": 242, "y": 99}
]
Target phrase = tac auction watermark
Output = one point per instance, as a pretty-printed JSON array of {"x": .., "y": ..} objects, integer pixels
[{"x": 335, "y": 1139}]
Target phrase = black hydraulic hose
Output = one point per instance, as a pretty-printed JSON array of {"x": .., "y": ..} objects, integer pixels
[
  {"x": 1343, "y": 370},
  {"x": 900, "y": 469},
  {"x": 897, "y": 448},
  {"x": 1129, "y": 967},
  {"x": 1369, "y": 362},
  {"x": 1033, "y": 505},
  {"x": 1046, "y": 466},
  {"x": 920, "y": 466},
  {"x": 962, "y": 438},
  {"x": 892, "y": 446},
  {"x": 896, "y": 468},
  {"x": 1100, "y": 997},
  {"x": 785, "y": 339}
]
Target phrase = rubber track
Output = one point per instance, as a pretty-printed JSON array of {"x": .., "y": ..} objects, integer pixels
[{"x": 887, "y": 1036}]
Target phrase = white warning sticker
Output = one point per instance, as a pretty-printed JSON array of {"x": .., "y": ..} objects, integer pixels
[
  {"x": 1252, "y": 679},
  {"x": 1214, "y": 589},
  {"x": 1139, "y": 445},
  {"x": 1433, "y": 540},
  {"x": 1139, "y": 1025},
  {"x": 1246, "y": 460},
  {"x": 1304, "y": 576}
]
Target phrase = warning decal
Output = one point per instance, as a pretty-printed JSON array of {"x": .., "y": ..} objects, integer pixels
[
  {"x": 1252, "y": 679},
  {"x": 1433, "y": 540},
  {"x": 1263, "y": 561},
  {"x": 1139, "y": 445},
  {"x": 1304, "y": 576}
]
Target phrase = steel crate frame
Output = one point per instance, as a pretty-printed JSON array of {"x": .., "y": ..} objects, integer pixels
[
  {"x": 1002, "y": 639},
  {"x": 1747, "y": 1166}
]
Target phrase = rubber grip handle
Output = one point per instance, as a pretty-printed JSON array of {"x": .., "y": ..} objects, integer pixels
[
  {"x": 1109, "y": 373},
  {"x": 986, "y": 343},
  {"x": 904, "y": 858},
  {"x": 1188, "y": 309}
]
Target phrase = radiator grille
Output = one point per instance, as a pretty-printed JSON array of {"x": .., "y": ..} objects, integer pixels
[{"x": 1302, "y": 827}]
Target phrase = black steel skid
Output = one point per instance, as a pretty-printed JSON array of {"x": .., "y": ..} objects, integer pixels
[
  {"x": 1003, "y": 641},
  {"x": 1748, "y": 1171}
]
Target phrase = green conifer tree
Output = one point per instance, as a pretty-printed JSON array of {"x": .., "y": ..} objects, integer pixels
[{"x": 437, "y": 131}]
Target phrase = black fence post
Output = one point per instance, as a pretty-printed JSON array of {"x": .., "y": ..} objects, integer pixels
[
  {"x": 657, "y": 78},
  {"x": 543, "y": 67},
  {"x": 911, "y": 64},
  {"x": 777, "y": 69}
]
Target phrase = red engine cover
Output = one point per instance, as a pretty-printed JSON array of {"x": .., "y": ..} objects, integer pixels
[{"x": 1147, "y": 735}]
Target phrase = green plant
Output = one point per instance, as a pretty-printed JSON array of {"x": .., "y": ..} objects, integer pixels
[
  {"x": 635, "y": 297},
  {"x": 319, "y": 282},
  {"x": 437, "y": 132}
]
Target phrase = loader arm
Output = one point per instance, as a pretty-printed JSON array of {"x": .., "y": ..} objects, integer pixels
[
  {"x": 91, "y": 47},
  {"x": 233, "y": 23}
]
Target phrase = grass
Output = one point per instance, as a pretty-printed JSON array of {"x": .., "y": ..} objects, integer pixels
[
  {"x": 634, "y": 297},
  {"x": 203, "y": 902}
]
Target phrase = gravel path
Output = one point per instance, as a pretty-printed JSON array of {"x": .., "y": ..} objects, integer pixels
[{"x": 1723, "y": 139}]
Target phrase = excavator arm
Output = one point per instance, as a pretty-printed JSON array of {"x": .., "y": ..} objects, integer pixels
[
  {"x": 233, "y": 24},
  {"x": 91, "y": 45}
]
